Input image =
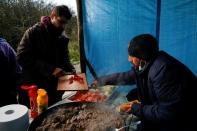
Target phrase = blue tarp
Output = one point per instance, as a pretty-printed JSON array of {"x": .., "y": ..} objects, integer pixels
[{"x": 109, "y": 25}]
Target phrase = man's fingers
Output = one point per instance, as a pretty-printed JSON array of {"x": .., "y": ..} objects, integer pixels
[
  {"x": 94, "y": 84},
  {"x": 124, "y": 107}
]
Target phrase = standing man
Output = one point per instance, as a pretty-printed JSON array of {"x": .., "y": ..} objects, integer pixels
[
  {"x": 9, "y": 74},
  {"x": 166, "y": 88},
  {"x": 43, "y": 53}
]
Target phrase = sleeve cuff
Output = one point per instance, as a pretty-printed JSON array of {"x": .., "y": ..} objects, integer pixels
[{"x": 136, "y": 109}]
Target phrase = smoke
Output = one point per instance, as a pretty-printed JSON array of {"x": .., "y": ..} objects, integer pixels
[{"x": 107, "y": 118}]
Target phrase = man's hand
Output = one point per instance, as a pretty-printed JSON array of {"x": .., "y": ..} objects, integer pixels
[
  {"x": 126, "y": 107},
  {"x": 58, "y": 72},
  {"x": 94, "y": 84}
]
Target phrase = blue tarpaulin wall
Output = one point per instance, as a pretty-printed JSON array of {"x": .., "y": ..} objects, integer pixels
[{"x": 109, "y": 25}]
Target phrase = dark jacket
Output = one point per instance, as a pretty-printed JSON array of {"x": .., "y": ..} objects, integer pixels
[
  {"x": 167, "y": 91},
  {"x": 9, "y": 73},
  {"x": 40, "y": 51}
]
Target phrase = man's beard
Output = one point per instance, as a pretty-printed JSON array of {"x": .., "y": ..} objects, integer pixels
[{"x": 55, "y": 31}]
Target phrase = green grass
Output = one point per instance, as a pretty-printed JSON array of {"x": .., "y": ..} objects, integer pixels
[{"x": 74, "y": 52}]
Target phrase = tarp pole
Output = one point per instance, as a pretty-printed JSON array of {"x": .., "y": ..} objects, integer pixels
[
  {"x": 83, "y": 59},
  {"x": 80, "y": 35}
]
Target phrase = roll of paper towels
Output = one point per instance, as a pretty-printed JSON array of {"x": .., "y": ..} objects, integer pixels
[{"x": 14, "y": 117}]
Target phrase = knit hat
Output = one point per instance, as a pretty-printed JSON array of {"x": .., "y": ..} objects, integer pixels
[{"x": 144, "y": 47}]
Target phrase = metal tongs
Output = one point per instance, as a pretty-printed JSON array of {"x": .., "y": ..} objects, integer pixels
[
  {"x": 68, "y": 94},
  {"x": 121, "y": 128},
  {"x": 131, "y": 122}
]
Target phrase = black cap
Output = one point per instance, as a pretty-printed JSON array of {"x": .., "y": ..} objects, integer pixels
[{"x": 144, "y": 47}]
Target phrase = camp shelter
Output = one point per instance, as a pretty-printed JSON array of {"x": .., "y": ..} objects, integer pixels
[{"x": 107, "y": 26}]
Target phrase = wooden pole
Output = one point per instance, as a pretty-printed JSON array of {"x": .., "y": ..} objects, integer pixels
[{"x": 80, "y": 35}]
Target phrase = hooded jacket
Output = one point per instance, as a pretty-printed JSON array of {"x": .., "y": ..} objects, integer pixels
[
  {"x": 41, "y": 50},
  {"x": 167, "y": 91}
]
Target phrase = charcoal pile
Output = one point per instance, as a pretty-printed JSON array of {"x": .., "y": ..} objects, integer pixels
[{"x": 81, "y": 118}]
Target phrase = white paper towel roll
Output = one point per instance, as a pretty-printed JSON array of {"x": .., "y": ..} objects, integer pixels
[{"x": 14, "y": 117}]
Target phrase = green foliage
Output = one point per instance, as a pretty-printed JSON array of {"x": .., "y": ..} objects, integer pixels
[
  {"x": 71, "y": 31},
  {"x": 74, "y": 52},
  {"x": 16, "y": 16}
]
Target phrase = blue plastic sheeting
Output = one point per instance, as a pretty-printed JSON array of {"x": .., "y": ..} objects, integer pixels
[
  {"x": 109, "y": 25},
  {"x": 178, "y": 30}
]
